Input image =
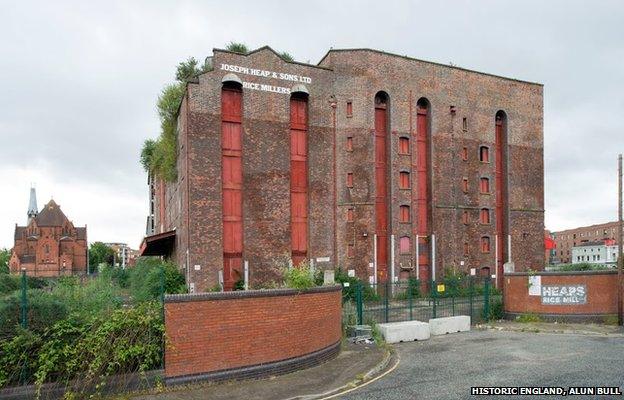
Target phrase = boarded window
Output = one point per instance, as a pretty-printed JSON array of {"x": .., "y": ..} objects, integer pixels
[
  {"x": 405, "y": 214},
  {"x": 484, "y": 185},
  {"x": 404, "y": 180},
  {"x": 465, "y": 185},
  {"x": 349, "y": 145},
  {"x": 484, "y": 216},
  {"x": 485, "y": 244},
  {"x": 465, "y": 217},
  {"x": 484, "y": 154},
  {"x": 350, "y": 250},
  {"x": 404, "y": 245},
  {"x": 464, "y": 153},
  {"x": 403, "y": 145},
  {"x": 349, "y": 109},
  {"x": 466, "y": 249},
  {"x": 350, "y": 179},
  {"x": 350, "y": 214}
]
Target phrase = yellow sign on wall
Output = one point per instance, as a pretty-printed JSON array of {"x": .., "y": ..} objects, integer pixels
[{"x": 441, "y": 288}]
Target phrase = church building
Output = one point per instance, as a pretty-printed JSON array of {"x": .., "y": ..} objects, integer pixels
[{"x": 49, "y": 245}]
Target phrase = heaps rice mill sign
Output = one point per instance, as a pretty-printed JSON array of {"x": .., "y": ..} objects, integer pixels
[{"x": 564, "y": 294}]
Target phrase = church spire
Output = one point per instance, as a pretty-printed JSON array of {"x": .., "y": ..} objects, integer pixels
[{"x": 32, "y": 205}]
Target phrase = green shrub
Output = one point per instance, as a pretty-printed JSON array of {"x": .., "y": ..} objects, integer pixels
[
  {"x": 286, "y": 56},
  {"x": 496, "y": 311},
  {"x": 95, "y": 296},
  {"x": 237, "y": 47},
  {"x": 16, "y": 354},
  {"x": 583, "y": 267},
  {"x": 43, "y": 309},
  {"x": 528, "y": 317},
  {"x": 299, "y": 277},
  {"x": 10, "y": 283},
  {"x": 145, "y": 279}
]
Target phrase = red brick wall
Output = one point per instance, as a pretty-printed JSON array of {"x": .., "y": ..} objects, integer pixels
[
  {"x": 216, "y": 331},
  {"x": 601, "y": 293}
]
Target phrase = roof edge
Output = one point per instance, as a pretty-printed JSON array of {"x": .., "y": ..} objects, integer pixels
[
  {"x": 266, "y": 47},
  {"x": 430, "y": 62}
]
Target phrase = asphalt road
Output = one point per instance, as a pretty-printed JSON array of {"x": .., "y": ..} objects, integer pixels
[{"x": 445, "y": 367}]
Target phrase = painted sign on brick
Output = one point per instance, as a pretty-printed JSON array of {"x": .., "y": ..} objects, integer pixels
[{"x": 564, "y": 294}]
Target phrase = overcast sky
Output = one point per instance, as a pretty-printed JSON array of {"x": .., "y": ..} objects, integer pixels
[{"x": 79, "y": 82}]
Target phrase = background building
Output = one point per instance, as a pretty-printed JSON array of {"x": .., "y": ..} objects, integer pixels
[
  {"x": 49, "y": 245},
  {"x": 598, "y": 252},
  {"x": 124, "y": 255},
  {"x": 567, "y": 239},
  {"x": 384, "y": 164}
]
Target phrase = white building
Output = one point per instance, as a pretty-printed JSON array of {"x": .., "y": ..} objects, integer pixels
[{"x": 602, "y": 252}]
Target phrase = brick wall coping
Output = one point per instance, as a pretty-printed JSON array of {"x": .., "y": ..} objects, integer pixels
[
  {"x": 560, "y": 273},
  {"x": 246, "y": 294}
]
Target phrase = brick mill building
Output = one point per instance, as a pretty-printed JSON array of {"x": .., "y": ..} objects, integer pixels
[
  {"x": 49, "y": 245},
  {"x": 384, "y": 164},
  {"x": 565, "y": 240}
]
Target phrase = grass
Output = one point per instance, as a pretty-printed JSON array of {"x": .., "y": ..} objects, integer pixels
[{"x": 528, "y": 317}]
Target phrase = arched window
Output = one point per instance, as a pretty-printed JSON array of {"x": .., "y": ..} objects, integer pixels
[
  {"x": 465, "y": 217},
  {"x": 404, "y": 145},
  {"x": 484, "y": 216},
  {"x": 405, "y": 213},
  {"x": 484, "y": 185},
  {"x": 484, "y": 154},
  {"x": 404, "y": 245},
  {"x": 485, "y": 244},
  {"x": 404, "y": 180},
  {"x": 349, "y": 144},
  {"x": 464, "y": 185}
]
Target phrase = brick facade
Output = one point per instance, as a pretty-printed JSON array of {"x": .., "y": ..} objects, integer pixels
[
  {"x": 214, "y": 332},
  {"x": 463, "y": 105},
  {"x": 601, "y": 294},
  {"x": 566, "y": 239},
  {"x": 50, "y": 245}
]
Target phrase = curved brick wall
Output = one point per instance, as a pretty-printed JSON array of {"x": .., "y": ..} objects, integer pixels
[
  {"x": 218, "y": 336},
  {"x": 601, "y": 294}
]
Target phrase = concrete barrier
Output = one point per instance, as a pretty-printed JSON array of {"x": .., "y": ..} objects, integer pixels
[
  {"x": 406, "y": 331},
  {"x": 442, "y": 326}
]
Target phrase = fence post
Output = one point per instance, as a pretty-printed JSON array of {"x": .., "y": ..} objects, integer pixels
[
  {"x": 24, "y": 322},
  {"x": 471, "y": 294},
  {"x": 24, "y": 304},
  {"x": 434, "y": 296},
  {"x": 387, "y": 300},
  {"x": 162, "y": 313},
  {"x": 409, "y": 298},
  {"x": 358, "y": 303},
  {"x": 486, "y": 298}
]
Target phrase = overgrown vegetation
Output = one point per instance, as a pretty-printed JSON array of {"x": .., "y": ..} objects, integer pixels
[
  {"x": 237, "y": 47},
  {"x": 86, "y": 328},
  {"x": 5, "y": 255},
  {"x": 528, "y": 317},
  {"x": 583, "y": 267},
  {"x": 286, "y": 56},
  {"x": 159, "y": 157}
]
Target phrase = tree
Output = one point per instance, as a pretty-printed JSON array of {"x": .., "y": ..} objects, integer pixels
[
  {"x": 99, "y": 253},
  {"x": 286, "y": 56},
  {"x": 187, "y": 70},
  {"x": 5, "y": 255},
  {"x": 237, "y": 47}
]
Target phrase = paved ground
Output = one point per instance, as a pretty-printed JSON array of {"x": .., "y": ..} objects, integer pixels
[
  {"x": 445, "y": 367},
  {"x": 584, "y": 329},
  {"x": 349, "y": 366}
]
